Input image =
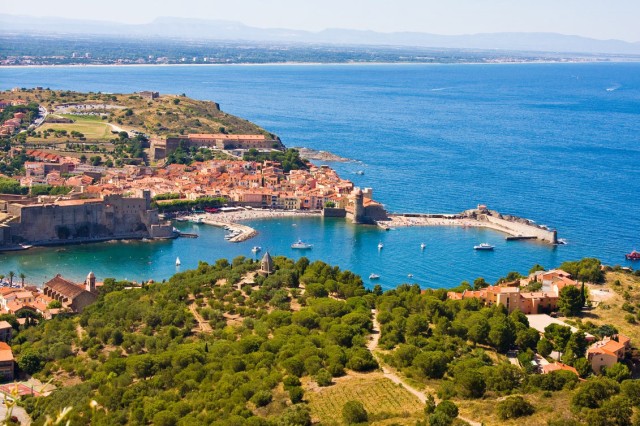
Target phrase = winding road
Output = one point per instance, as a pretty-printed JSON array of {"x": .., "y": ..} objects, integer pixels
[{"x": 390, "y": 374}]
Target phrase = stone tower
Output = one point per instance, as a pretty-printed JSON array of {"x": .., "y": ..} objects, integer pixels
[
  {"x": 266, "y": 266},
  {"x": 358, "y": 206},
  {"x": 90, "y": 283}
]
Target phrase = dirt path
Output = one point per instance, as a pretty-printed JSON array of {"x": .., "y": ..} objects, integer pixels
[
  {"x": 205, "y": 327},
  {"x": 390, "y": 374}
]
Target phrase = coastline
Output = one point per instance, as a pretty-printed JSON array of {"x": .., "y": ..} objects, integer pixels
[
  {"x": 231, "y": 219},
  {"x": 278, "y": 64}
]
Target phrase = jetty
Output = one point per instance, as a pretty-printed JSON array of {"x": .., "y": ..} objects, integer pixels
[
  {"x": 243, "y": 232},
  {"x": 516, "y": 228}
]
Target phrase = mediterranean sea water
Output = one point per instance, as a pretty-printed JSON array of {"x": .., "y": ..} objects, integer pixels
[{"x": 556, "y": 143}]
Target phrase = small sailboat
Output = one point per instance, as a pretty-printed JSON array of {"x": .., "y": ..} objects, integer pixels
[
  {"x": 380, "y": 245},
  {"x": 422, "y": 246},
  {"x": 177, "y": 261}
]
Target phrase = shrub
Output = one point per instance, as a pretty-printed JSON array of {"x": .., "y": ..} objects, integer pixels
[
  {"x": 296, "y": 394},
  {"x": 354, "y": 412},
  {"x": 514, "y": 407},
  {"x": 448, "y": 408},
  {"x": 323, "y": 378},
  {"x": 261, "y": 398}
]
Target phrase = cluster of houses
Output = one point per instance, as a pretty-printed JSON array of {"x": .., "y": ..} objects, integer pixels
[
  {"x": 247, "y": 183},
  {"x": 9, "y": 126},
  {"x": 24, "y": 300},
  {"x": 511, "y": 297},
  {"x": 537, "y": 305}
]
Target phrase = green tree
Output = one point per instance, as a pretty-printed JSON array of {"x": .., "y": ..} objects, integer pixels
[
  {"x": 587, "y": 269},
  {"x": 11, "y": 275},
  {"x": 630, "y": 389},
  {"x": 514, "y": 407},
  {"x": 430, "y": 404},
  {"x": 448, "y": 408},
  {"x": 296, "y": 415},
  {"x": 54, "y": 304},
  {"x": 30, "y": 362},
  {"x": 570, "y": 301},
  {"x": 432, "y": 364},
  {"x": 502, "y": 332},
  {"x": 618, "y": 372},
  {"x": 471, "y": 384},
  {"x": 544, "y": 347},
  {"x": 353, "y": 412},
  {"x": 593, "y": 392},
  {"x": 480, "y": 283},
  {"x": 537, "y": 267},
  {"x": 583, "y": 367}
]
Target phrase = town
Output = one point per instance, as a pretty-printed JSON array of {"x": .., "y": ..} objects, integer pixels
[{"x": 82, "y": 168}]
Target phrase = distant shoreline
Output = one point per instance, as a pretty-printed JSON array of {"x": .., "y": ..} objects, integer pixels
[{"x": 524, "y": 62}]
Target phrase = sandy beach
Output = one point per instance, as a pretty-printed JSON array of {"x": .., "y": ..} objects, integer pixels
[{"x": 230, "y": 220}]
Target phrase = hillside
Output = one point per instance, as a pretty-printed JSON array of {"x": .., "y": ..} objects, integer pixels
[
  {"x": 224, "y": 345},
  {"x": 166, "y": 115}
]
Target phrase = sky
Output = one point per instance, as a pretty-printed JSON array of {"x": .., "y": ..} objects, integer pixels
[{"x": 600, "y": 19}]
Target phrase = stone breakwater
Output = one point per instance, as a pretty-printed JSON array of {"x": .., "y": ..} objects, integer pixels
[{"x": 515, "y": 227}]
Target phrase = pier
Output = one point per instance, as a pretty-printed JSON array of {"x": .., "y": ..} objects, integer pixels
[{"x": 515, "y": 227}]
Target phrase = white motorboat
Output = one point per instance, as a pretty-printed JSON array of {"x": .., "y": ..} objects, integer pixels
[
  {"x": 178, "y": 261},
  {"x": 380, "y": 245},
  {"x": 484, "y": 246},
  {"x": 301, "y": 245},
  {"x": 422, "y": 246},
  {"x": 374, "y": 276},
  {"x": 256, "y": 249}
]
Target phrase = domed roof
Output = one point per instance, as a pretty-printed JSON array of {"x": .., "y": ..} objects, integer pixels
[{"x": 91, "y": 275}]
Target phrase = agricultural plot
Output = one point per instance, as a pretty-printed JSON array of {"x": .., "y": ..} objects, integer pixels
[{"x": 385, "y": 401}]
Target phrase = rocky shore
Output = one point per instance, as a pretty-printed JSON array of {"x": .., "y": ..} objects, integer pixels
[{"x": 312, "y": 154}]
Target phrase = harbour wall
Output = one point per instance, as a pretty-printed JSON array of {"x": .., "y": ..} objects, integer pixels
[{"x": 522, "y": 229}]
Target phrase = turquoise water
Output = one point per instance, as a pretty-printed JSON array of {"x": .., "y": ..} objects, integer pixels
[{"x": 557, "y": 143}]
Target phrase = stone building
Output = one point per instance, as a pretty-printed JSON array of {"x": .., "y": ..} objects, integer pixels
[
  {"x": 160, "y": 148},
  {"x": 362, "y": 209},
  {"x": 266, "y": 266},
  {"x": 74, "y": 297},
  {"x": 113, "y": 216}
]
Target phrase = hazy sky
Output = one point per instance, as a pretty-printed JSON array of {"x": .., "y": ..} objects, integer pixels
[{"x": 602, "y": 19}]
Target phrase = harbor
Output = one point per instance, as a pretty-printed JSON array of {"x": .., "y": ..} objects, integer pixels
[{"x": 516, "y": 228}]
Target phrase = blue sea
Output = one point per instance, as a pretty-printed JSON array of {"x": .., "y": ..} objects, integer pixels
[{"x": 556, "y": 143}]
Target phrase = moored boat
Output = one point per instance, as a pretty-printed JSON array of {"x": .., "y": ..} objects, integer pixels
[
  {"x": 634, "y": 255},
  {"x": 374, "y": 276},
  {"x": 301, "y": 245},
  {"x": 178, "y": 263},
  {"x": 380, "y": 245},
  {"x": 484, "y": 246},
  {"x": 256, "y": 249},
  {"x": 422, "y": 246}
]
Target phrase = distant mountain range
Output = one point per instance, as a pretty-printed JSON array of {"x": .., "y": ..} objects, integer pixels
[{"x": 199, "y": 29}]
